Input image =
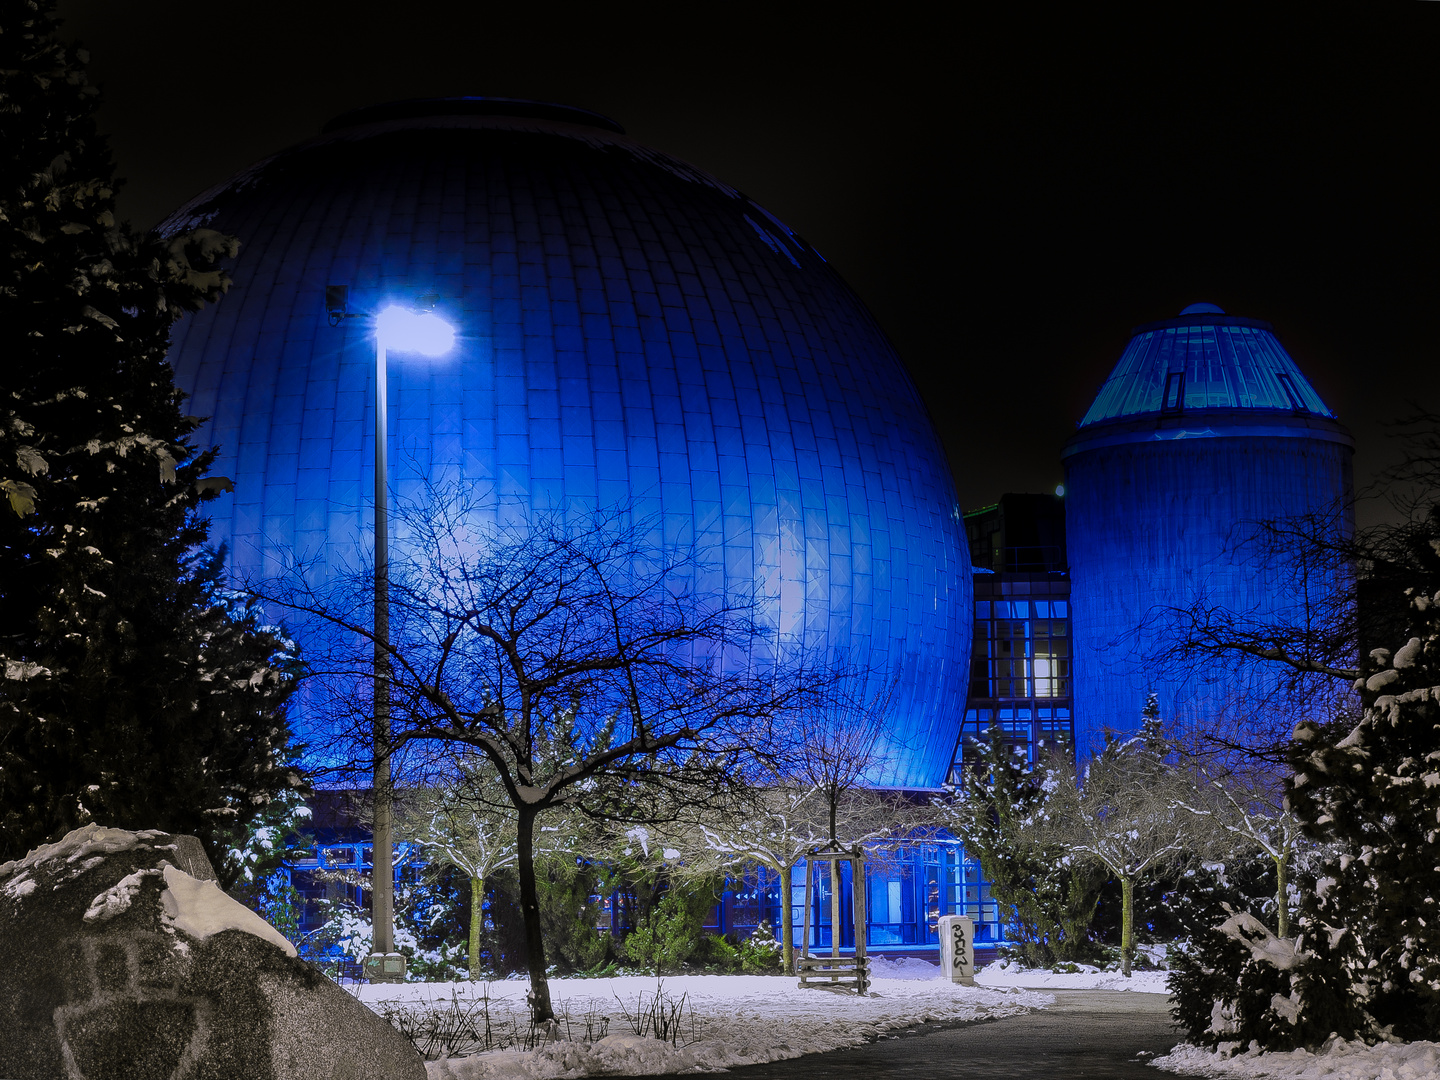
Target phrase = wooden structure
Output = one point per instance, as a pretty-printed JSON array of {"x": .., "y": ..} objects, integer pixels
[{"x": 836, "y": 972}]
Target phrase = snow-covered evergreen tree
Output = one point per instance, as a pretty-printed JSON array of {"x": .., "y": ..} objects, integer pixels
[
  {"x": 136, "y": 693},
  {"x": 1002, "y": 812},
  {"x": 1373, "y": 923}
]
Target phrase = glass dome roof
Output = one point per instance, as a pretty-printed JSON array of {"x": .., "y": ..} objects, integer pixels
[{"x": 1204, "y": 359}]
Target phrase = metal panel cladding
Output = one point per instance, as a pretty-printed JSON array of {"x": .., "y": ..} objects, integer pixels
[
  {"x": 632, "y": 333},
  {"x": 1205, "y": 429}
]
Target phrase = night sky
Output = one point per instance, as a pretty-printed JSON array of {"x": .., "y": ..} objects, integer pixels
[{"x": 1008, "y": 196}]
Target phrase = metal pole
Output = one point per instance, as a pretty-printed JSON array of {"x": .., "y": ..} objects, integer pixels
[
  {"x": 862, "y": 916},
  {"x": 805, "y": 937},
  {"x": 382, "y": 848}
]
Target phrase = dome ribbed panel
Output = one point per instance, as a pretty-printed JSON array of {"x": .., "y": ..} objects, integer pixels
[
  {"x": 1217, "y": 364},
  {"x": 632, "y": 333}
]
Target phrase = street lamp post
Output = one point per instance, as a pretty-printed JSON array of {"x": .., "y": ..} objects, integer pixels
[{"x": 423, "y": 332}]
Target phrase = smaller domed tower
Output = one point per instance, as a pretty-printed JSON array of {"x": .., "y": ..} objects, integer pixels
[{"x": 1205, "y": 428}]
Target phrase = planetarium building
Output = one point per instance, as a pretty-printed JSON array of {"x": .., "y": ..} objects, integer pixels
[{"x": 632, "y": 333}]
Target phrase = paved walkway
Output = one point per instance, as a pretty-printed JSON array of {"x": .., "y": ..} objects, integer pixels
[{"x": 1085, "y": 1035}]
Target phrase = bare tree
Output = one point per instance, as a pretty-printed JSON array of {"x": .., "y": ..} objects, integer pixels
[
  {"x": 1241, "y": 795},
  {"x": 781, "y": 823},
  {"x": 464, "y": 821},
  {"x": 1344, "y": 592},
  {"x": 579, "y": 658},
  {"x": 1127, "y": 814},
  {"x": 838, "y": 745}
]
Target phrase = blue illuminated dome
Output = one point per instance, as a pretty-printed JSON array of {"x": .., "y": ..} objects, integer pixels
[
  {"x": 631, "y": 332},
  {"x": 1205, "y": 429}
]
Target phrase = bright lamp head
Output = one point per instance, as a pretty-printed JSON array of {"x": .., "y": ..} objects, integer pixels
[{"x": 421, "y": 332}]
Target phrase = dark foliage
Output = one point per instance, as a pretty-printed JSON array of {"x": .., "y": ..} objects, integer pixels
[
  {"x": 1372, "y": 789},
  {"x": 136, "y": 692},
  {"x": 1221, "y": 993}
]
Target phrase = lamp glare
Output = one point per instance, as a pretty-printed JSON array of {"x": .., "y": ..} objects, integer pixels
[{"x": 423, "y": 332}]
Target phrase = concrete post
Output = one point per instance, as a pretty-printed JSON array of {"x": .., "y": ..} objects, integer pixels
[{"x": 957, "y": 949}]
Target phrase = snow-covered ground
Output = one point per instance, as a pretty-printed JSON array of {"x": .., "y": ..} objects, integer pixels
[
  {"x": 1341, "y": 1061},
  {"x": 727, "y": 1020},
  {"x": 1004, "y": 973}
]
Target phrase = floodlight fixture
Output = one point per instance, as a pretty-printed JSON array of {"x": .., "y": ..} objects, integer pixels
[
  {"x": 337, "y": 301},
  {"x": 405, "y": 330}
]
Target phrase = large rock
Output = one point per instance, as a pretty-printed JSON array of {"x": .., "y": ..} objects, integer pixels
[{"x": 123, "y": 960}]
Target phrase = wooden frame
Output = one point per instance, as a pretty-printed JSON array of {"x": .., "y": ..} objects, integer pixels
[{"x": 836, "y": 972}]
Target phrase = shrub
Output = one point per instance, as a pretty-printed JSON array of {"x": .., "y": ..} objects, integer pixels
[
  {"x": 1237, "y": 984},
  {"x": 569, "y": 910},
  {"x": 716, "y": 953},
  {"x": 760, "y": 953},
  {"x": 672, "y": 930}
]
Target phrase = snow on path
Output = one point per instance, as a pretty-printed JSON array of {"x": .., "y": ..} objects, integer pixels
[
  {"x": 742, "y": 1019},
  {"x": 1011, "y": 973},
  {"x": 1342, "y": 1061}
]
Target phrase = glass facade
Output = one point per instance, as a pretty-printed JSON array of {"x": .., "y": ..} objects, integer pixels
[
  {"x": 906, "y": 891},
  {"x": 632, "y": 333},
  {"x": 1021, "y": 674},
  {"x": 1020, "y": 668},
  {"x": 1021, "y": 677}
]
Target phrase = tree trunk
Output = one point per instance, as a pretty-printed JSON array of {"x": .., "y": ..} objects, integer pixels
[
  {"x": 834, "y": 907},
  {"x": 787, "y": 920},
  {"x": 477, "y": 904},
  {"x": 1127, "y": 923},
  {"x": 1282, "y": 901},
  {"x": 540, "y": 1009}
]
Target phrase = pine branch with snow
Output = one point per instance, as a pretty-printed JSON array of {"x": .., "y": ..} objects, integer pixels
[{"x": 135, "y": 691}]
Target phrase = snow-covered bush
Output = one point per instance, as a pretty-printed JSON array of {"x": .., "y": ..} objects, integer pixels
[
  {"x": 1366, "y": 961},
  {"x": 1236, "y": 984},
  {"x": 760, "y": 953},
  {"x": 348, "y": 931},
  {"x": 1373, "y": 793}
]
